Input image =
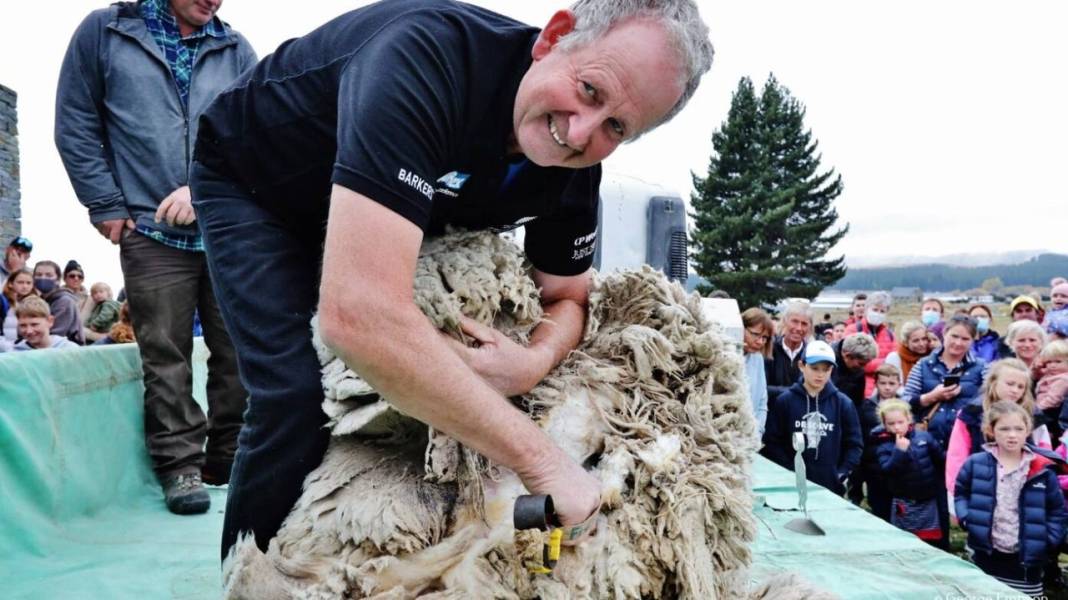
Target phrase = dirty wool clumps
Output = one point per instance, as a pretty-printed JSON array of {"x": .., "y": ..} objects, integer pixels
[{"x": 653, "y": 399}]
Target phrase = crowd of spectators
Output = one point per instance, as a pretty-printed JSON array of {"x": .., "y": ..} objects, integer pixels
[
  {"x": 917, "y": 420},
  {"x": 50, "y": 308}
]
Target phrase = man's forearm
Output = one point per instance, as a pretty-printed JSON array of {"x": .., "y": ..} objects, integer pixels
[
  {"x": 406, "y": 360},
  {"x": 557, "y": 335}
]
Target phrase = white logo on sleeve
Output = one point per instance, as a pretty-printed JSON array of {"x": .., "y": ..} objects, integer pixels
[
  {"x": 417, "y": 182},
  {"x": 584, "y": 246}
]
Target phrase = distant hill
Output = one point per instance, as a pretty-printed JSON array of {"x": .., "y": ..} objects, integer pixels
[
  {"x": 944, "y": 277},
  {"x": 969, "y": 259}
]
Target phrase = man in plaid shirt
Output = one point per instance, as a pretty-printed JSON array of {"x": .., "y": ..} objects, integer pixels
[{"x": 134, "y": 81}]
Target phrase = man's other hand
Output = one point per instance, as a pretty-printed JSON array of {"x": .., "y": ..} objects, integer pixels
[
  {"x": 177, "y": 209},
  {"x": 112, "y": 229},
  {"x": 508, "y": 367}
]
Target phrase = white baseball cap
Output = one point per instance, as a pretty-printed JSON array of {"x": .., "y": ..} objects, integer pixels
[{"x": 818, "y": 351}]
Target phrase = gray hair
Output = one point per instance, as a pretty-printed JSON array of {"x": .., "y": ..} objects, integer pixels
[
  {"x": 801, "y": 309},
  {"x": 860, "y": 345},
  {"x": 681, "y": 20},
  {"x": 882, "y": 299},
  {"x": 1023, "y": 326}
]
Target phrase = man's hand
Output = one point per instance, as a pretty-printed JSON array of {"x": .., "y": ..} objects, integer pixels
[
  {"x": 177, "y": 209},
  {"x": 576, "y": 494},
  {"x": 112, "y": 229},
  {"x": 506, "y": 366}
]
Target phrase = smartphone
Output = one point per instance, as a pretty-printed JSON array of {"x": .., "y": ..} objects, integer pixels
[{"x": 951, "y": 380}]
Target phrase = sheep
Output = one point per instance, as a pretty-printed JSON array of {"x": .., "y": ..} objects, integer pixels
[{"x": 653, "y": 400}]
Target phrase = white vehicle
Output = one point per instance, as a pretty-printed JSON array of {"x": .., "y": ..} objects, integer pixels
[{"x": 644, "y": 223}]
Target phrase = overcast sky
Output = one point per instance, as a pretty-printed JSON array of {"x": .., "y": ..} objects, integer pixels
[{"x": 947, "y": 120}]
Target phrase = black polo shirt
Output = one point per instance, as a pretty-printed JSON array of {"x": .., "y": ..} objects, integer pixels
[{"x": 408, "y": 102}]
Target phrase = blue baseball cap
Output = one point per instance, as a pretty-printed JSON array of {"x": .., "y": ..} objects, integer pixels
[
  {"x": 818, "y": 351},
  {"x": 23, "y": 243}
]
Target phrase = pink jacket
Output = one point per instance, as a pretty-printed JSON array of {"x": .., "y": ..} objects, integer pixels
[
  {"x": 1051, "y": 391},
  {"x": 884, "y": 339}
]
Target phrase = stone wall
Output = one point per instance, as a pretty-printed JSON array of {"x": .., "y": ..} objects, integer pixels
[{"x": 10, "y": 213}]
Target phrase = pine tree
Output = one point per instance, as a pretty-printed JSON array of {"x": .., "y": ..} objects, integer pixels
[{"x": 762, "y": 216}]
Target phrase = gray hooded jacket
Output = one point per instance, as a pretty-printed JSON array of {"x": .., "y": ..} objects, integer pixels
[{"x": 121, "y": 129}]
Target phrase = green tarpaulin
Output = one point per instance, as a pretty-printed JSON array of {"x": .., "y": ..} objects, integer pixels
[{"x": 81, "y": 515}]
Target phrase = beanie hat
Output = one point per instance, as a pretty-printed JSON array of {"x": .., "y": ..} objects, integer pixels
[{"x": 72, "y": 265}]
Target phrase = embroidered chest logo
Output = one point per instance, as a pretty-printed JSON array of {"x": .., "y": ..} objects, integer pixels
[{"x": 454, "y": 180}]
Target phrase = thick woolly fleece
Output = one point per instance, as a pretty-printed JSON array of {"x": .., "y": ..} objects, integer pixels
[{"x": 653, "y": 398}]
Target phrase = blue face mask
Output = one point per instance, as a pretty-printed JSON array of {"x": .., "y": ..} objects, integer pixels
[
  {"x": 929, "y": 317},
  {"x": 982, "y": 324},
  {"x": 44, "y": 285}
]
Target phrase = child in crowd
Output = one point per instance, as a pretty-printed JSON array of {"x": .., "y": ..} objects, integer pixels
[
  {"x": 1008, "y": 500},
  {"x": 35, "y": 324},
  {"x": 839, "y": 331},
  {"x": 887, "y": 383},
  {"x": 18, "y": 286},
  {"x": 1058, "y": 297},
  {"x": 910, "y": 461},
  {"x": 826, "y": 417},
  {"x": 122, "y": 331},
  {"x": 1007, "y": 380},
  {"x": 104, "y": 314}
]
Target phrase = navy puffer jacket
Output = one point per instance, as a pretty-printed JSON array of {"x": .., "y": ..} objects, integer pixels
[
  {"x": 914, "y": 473},
  {"x": 927, "y": 375},
  {"x": 1042, "y": 513}
]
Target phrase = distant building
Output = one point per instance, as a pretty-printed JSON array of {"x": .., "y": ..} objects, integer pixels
[
  {"x": 10, "y": 214},
  {"x": 906, "y": 294}
]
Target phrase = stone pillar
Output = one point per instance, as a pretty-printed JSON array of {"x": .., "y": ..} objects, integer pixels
[{"x": 10, "y": 212}]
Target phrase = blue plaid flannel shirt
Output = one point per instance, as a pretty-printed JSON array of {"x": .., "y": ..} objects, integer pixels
[{"x": 180, "y": 53}]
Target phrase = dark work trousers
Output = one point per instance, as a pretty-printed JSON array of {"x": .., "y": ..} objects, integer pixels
[
  {"x": 164, "y": 287},
  {"x": 264, "y": 261}
]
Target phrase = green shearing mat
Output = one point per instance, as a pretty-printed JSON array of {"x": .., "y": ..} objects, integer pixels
[{"x": 81, "y": 515}]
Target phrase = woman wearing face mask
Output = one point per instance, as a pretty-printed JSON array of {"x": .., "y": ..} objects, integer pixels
[
  {"x": 986, "y": 344},
  {"x": 61, "y": 302},
  {"x": 874, "y": 324},
  {"x": 932, "y": 313}
]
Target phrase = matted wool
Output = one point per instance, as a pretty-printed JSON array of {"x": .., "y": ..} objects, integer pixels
[{"x": 654, "y": 400}]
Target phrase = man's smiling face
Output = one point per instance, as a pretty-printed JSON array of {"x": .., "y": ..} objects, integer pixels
[{"x": 575, "y": 106}]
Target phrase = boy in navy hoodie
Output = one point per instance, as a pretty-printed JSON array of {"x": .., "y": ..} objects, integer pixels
[{"x": 827, "y": 418}]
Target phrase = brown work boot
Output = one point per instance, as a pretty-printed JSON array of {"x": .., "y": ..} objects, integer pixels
[{"x": 185, "y": 494}]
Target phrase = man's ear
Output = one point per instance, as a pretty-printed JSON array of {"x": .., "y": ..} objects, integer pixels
[
  {"x": 51, "y": 321},
  {"x": 561, "y": 24}
]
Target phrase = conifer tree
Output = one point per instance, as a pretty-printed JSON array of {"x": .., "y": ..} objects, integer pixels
[{"x": 763, "y": 215}]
